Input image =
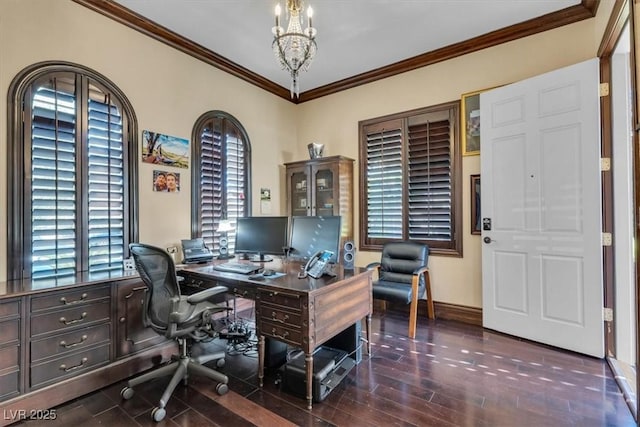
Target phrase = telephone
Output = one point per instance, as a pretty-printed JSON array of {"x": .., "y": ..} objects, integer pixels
[{"x": 317, "y": 265}]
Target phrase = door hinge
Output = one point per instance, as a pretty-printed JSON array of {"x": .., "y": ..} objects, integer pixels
[
  {"x": 607, "y": 239},
  {"x": 605, "y": 164},
  {"x": 604, "y": 89},
  {"x": 607, "y": 314}
]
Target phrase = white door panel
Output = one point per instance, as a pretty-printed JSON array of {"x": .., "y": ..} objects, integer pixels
[{"x": 541, "y": 260}]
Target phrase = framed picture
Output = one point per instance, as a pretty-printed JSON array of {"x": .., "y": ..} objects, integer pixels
[
  {"x": 165, "y": 150},
  {"x": 165, "y": 181},
  {"x": 476, "y": 215},
  {"x": 470, "y": 111}
]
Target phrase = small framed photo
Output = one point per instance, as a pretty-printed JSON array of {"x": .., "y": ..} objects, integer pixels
[
  {"x": 166, "y": 181},
  {"x": 476, "y": 215}
]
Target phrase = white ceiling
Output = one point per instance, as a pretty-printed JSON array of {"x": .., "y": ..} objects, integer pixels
[{"x": 354, "y": 36}]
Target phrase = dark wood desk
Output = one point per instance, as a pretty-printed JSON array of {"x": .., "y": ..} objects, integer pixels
[{"x": 301, "y": 312}]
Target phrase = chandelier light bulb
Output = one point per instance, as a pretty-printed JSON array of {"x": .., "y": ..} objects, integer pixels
[{"x": 310, "y": 15}]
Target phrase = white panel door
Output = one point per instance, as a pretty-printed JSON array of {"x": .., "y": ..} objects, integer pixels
[{"x": 541, "y": 215}]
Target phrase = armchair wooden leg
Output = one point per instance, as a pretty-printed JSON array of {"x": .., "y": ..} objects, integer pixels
[
  {"x": 431, "y": 313},
  {"x": 413, "y": 316}
]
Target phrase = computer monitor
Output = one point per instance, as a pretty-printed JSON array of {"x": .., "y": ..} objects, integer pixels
[
  {"x": 261, "y": 235},
  {"x": 310, "y": 234}
]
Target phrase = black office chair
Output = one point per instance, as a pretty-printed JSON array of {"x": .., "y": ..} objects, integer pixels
[
  {"x": 403, "y": 277},
  {"x": 187, "y": 319}
]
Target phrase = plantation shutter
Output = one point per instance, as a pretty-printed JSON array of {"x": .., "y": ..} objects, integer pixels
[
  {"x": 77, "y": 187},
  {"x": 430, "y": 179},
  {"x": 54, "y": 222},
  {"x": 384, "y": 181},
  {"x": 409, "y": 168},
  {"x": 210, "y": 183},
  {"x": 223, "y": 179},
  {"x": 106, "y": 178},
  {"x": 235, "y": 182}
]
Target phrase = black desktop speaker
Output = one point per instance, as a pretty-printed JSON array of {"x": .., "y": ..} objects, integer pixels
[{"x": 348, "y": 255}]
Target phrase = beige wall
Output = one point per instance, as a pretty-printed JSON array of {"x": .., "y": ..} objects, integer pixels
[
  {"x": 170, "y": 90},
  {"x": 333, "y": 120}
]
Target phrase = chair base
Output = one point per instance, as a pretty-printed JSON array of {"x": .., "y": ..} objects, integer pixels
[{"x": 180, "y": 371}]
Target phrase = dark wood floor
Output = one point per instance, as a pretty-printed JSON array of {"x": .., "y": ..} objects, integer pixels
[{"x": 452, "y": 374}]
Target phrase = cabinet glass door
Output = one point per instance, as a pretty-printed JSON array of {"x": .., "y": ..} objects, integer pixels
[
  {"x": 300, "y": 203},
  {"x": 324, "y": 192}
]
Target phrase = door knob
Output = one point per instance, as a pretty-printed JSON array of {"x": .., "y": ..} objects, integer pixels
[{"x": 487, "y": 239}]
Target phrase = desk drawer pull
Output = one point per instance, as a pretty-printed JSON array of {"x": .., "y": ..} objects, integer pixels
[
  {"x": 64, "y": 301},
  {"x": 65, "y": 345},
  {"x": 71, "y": 322},
  {"x": 71, "y": 368},
  {"x": 275, "y": 318},
  {"x": 283, "y": 336}
]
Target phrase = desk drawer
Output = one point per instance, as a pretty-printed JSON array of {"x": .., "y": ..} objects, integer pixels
[
  {"x": 70, "y": 318},
  {"x": 242, "y": 292},
  {"x": 9, "y": 331},
  {"x": 9, "y": 385},
  {"x": 280, "y": 332},
  {"x": 9, "y": 357},
  {"x": 289, "y": 300},
  {"x": 278, "y": 315},
  {"x": 70, "y": 341},
  {"x": 71, "y": 298},
  {"x": 68, "y": 366},
  {"x": 10, "y": 309}
]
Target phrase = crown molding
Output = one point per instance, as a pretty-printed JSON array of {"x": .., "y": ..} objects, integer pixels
[{"x": 585, "y": 10}]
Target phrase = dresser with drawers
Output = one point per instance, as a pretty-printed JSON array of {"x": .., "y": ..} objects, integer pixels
[{"x": 61, "y": 340}]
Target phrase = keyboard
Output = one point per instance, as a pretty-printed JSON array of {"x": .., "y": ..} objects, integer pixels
[{"x": 237, "y": 267}]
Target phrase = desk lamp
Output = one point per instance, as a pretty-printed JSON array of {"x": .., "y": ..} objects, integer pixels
[{"x": 224, "y": 227}]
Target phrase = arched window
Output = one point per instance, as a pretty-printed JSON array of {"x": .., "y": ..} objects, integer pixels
[
  {"x": 72, "y": 173},
  {"x": 221, "y": 180}
]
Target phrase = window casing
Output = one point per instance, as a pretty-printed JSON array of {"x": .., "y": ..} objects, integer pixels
[
  {"x": 410, "y": 179},
  {"x": 71, "y": 181},
  {"x": 221, "y": 176}
]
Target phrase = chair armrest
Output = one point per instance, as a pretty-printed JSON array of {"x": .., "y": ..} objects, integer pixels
[
  {"x": 206, "y": 294},
  {"x": 418, "y": 271},
  {"x": 373, "y": 265}
]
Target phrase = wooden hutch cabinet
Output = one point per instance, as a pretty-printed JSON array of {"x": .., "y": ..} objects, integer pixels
[{"x": 322, "y": 187}]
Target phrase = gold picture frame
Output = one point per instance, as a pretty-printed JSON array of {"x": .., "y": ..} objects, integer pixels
[{"x": 470, "y": 123}]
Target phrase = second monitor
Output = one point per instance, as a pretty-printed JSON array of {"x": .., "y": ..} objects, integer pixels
[
  {"x": 310, "y": 234},
  {"x": 260, "y": 236}
]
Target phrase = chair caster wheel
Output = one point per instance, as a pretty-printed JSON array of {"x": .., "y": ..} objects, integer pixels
[
  {"x": 158, "y": 414},
  {"x": 222, "y": 389},
  {"x": 127, "y": 393},
  {"x": 220, "y": 363}
]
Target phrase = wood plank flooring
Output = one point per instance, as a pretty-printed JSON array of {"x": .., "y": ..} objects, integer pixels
[{"x": 452, "y": 374}]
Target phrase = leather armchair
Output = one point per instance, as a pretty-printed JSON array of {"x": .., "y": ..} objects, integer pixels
[
  {"x": 186, "y": 319},
  {"x": 403, "y": 277}
]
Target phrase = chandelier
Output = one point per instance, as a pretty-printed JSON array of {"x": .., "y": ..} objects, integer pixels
[{"x": 295, "y": 48}]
